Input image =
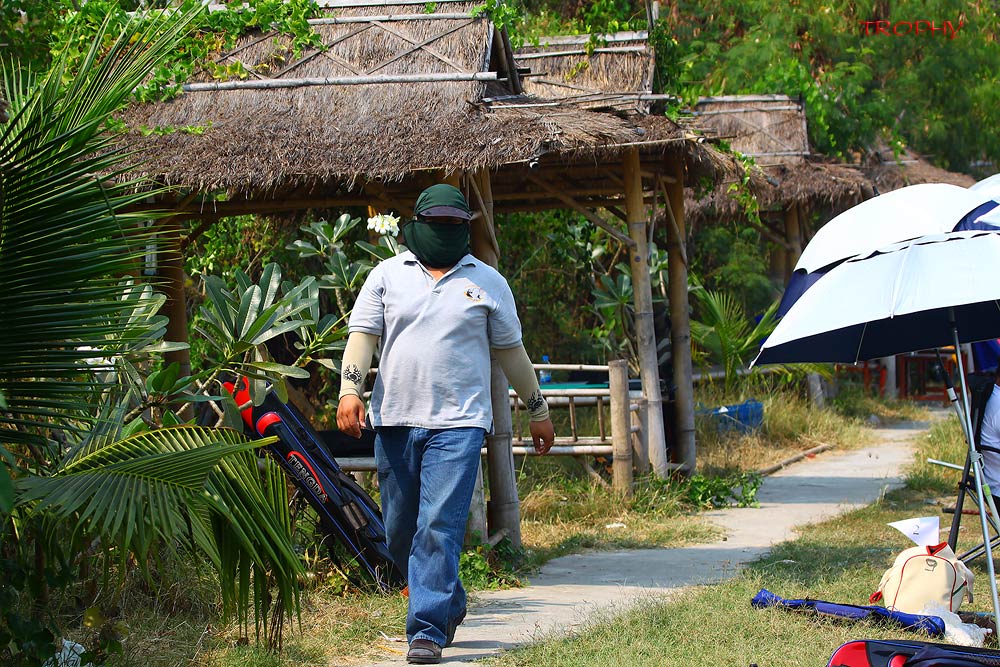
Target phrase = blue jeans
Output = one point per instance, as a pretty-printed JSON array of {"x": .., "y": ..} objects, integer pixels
[{"x": 426, "y": 478}]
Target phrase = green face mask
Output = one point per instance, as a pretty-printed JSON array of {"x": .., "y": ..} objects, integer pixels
[{"x": 437, "y": 246}]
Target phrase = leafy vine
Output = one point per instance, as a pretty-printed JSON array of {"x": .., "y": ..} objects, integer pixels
[{"x": 212, "y": 32}]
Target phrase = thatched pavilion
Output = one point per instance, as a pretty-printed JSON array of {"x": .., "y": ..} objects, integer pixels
[
  {"x": 399, "y": 98},
  {"x": 772, "y": 130}
]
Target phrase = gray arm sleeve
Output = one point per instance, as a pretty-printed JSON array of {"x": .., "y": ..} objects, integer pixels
[
  {"x": 517, "y": 367},
  {"x": 357, "y": 362}
]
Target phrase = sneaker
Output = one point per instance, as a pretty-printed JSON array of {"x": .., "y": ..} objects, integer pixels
[
  {"x": 452, "y": 627},
  {"x": 423, "y": 652}
]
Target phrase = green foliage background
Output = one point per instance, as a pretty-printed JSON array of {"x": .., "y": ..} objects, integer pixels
[{"x": 935, "y": 92}]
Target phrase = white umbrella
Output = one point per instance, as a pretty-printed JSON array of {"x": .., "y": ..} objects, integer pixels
[
  {"x": 989, "y": 186},
  {"x": 906, "y": 213},
  {"x": 900, "y": 215},
  {"x": 932, "y": 291}
]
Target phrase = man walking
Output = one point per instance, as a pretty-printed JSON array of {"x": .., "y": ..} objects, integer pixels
[{"x": 439, "y": 313}]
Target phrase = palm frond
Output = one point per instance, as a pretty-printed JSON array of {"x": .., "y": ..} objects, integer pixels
[{"x": 63, "y": 240}]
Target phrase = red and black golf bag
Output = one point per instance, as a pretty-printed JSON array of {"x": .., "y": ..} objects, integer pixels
[{"x": 348, "y": 516}]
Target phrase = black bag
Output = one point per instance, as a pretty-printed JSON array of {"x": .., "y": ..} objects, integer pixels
[
  {"x": 348, "y": 515},
  {"x": 897, "y": 653}
]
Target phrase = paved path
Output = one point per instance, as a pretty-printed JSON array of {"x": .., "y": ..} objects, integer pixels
[{"x": 567, "y": 590}]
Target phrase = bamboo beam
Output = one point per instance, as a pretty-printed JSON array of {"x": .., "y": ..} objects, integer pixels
[
  {"x": 337, "y": 20},
  {"x": 339, "y": 81},
  {"x": 640, "y": 455},
  {"x": 222, "y": 209},
  {"x": 547, "y": 193},
  {"x": 351, "y": 4},
  {"x": 512, "y": 74},
  {"x": 680, "y": 326},
  {"x": 581, "y": 52},
  {"x": 618, "y": 213},
  {"x": 675, "y": 227},
  {"x": 770, "y": 235},
  {"x": 522, "y": 448},
  {"x": 613, "y": 38},
  {"x": 643, "y": 298},
  {"x": 483, "y": 233},
  {"x": 589, "y": 215},
  {"x": 515, "y": 207}
]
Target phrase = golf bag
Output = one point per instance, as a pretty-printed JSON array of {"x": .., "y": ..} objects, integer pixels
[
  {"x": 900, "y": 653},
  {"x": 349, "y": 518}
]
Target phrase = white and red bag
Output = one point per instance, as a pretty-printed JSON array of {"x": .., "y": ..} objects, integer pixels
[{"x": 925, "y": 574}]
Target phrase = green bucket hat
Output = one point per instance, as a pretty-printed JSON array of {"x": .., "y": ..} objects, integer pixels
[{"x": 442, "y": 200}]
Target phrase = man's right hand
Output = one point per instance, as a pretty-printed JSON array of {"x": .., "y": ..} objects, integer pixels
[{"x": 350, "y": 415}]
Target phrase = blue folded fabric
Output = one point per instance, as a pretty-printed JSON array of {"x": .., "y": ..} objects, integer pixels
[{"x": 930, "y": 625}]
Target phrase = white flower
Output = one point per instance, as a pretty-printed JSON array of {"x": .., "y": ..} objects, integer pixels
[{"x": 384, "y": 223}]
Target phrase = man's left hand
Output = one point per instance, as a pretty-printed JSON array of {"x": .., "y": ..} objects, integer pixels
[{"x": 543, "y": 434}]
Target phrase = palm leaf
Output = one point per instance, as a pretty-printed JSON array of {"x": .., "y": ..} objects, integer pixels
[{"x": 62, "y": 240}]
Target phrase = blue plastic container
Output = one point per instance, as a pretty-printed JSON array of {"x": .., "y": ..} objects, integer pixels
[{"x": 742, "y": 417}]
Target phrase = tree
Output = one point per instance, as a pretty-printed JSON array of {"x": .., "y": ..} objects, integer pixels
[{"x": 935, "y": 91}]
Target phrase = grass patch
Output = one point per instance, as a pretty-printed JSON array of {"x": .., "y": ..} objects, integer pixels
[
  {"x": 841, "y": 560},
  {"x": 792, "y": 425},
  {"x": 565, "y": 511}
]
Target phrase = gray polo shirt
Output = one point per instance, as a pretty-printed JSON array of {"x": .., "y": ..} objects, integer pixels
[{"x": 434, "y": 370}]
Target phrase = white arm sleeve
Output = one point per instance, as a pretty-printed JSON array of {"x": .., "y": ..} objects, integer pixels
[
  {"x": 517, "y": 367},
  {"x": 357, "y": 362}
]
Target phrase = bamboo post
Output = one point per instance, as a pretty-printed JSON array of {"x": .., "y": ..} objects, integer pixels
[
  {"x": 171, "y": 263},
  {"x": 793, "y": 234},
  {"x": 503, "y": 511},
  {"x": 779, "y": 264},
  {"x": 643, "y": 299},
  {"x": 640, "y": 456},
  {"x": 621, "y": 464},
  {"x": 476, "y": 531},
  {"x": 680, "y": 325},
  {"x": 891, "y": 390}
]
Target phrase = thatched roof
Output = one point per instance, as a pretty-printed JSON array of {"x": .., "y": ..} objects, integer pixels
[
  {"x": 772, "y": 130},
  {"x": 375, "y": 105},
  {"x": 769, "y": 128},
  {"x": 813, "y": 184},
  {"x": 890, "y": 172},
  {"x": 605, "y": 71}
]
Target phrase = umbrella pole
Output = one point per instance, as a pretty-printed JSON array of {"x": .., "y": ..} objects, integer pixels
[{"x": 977, "y": 468}]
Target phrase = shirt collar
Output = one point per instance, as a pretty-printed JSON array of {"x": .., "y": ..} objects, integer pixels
[{"x": 467, "y": 260}]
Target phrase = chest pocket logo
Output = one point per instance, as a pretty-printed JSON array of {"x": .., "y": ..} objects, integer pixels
[{"x": 475, "y": 294}]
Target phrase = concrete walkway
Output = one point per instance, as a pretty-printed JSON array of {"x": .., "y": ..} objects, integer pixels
[{"x": 568, "y": 590}]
